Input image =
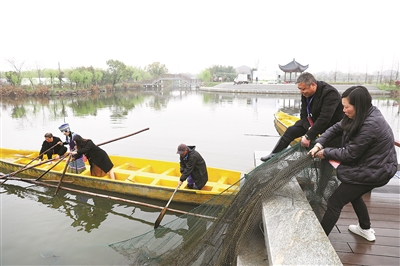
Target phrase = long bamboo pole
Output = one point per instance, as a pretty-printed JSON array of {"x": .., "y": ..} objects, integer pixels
[
  {"x": 122, "y": 137},
  {"x": 70, "y": 156},
  {"x": 48, "y": 170},
  {"x": 22, "y": 169},
  {"x": 62, "y": 176},
  {"x": 33, "y": 181}
]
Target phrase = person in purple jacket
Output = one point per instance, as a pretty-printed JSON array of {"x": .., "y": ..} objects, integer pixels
[{"x": 366, "y": 159}]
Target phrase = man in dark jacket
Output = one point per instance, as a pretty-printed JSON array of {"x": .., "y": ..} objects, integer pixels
[
  {"x": 50, "y": 141},
  {"x": 321, "y": 107},
  {"x": 192, "y": 166}
]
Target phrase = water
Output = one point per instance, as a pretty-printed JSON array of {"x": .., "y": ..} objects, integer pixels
[{"x": 71, "y": 229}]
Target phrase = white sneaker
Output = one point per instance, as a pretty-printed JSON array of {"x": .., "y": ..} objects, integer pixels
[{"x": 368, "y": 234}]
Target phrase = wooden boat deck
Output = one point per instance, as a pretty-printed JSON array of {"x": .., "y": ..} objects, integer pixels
[{"x": 384, "y": 209}]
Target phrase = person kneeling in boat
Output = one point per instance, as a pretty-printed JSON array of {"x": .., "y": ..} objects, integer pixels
[
  {"x": 52, "y": 141},
  {"x": 100, "y": 163},
  {"x": 76, "y": 166},
  {"x": 192, "y": 166}
]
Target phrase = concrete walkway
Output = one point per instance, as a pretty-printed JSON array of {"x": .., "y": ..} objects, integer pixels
[{"x": 229, "y": 87}]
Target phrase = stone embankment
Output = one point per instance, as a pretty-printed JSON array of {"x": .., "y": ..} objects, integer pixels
[{"x": 229, "y": 87}]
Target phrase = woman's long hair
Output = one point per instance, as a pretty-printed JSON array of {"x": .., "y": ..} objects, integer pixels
[
  {"x": 359, "y": 97},
  {"x": 79, "y": 141}
]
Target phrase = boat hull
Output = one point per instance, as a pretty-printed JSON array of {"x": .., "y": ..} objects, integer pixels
[
  {"x": 282, "y": 121},
  {"x": 145, "y": 178}
]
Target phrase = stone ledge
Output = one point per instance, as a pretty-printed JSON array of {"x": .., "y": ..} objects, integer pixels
[{"x": 293, "y": 234}]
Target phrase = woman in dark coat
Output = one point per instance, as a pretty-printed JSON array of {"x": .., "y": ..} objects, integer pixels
[
  {"x": 100, "y": 163},
  {"x": 367, "y": 158}
]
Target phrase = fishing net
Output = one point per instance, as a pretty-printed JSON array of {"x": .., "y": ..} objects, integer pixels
[{"x": 214, "y": 232}]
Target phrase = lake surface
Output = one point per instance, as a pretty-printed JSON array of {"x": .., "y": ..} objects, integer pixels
[{"x": 72, "y": 229}]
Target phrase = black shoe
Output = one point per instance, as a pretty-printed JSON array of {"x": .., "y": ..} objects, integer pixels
[{"x": 268, "y": 157}]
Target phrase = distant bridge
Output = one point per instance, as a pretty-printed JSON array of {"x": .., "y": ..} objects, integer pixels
[{"x": 183, "y": 81}]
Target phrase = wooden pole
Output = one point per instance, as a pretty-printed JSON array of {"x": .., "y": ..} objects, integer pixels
[
  {"x": 48, "y": 170},
  {"x": 33, "y": 181},
  {"x": 162, "y": 213},
  {"x": 123, "y": 137},
  {"x": 23, "y": 169},
  {"x": 62, "y": 176}
]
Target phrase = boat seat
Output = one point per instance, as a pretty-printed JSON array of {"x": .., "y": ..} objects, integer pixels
[
  {"x": 143, "y": 169},
  {"x": 222, "y": 180},
  {"x": 123, "y": 166},
  {"x": 168, "y": 171}
]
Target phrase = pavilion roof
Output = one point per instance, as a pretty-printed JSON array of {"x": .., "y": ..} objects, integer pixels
[{"x": 293, "y": 67}]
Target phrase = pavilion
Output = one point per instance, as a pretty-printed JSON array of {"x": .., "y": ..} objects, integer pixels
[{"x": 293, "y": 67}]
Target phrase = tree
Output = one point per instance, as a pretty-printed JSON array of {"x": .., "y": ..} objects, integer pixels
[
  {"x": 97, "y": 76},
  {"x": 76, "y": 77},
  {"x": 39, "y": 72},
  {"x": 30, "y": 75},
  {"x": 87, "y": 77},
  {"x": 12, "y": 78},
  {"x": 116, "y": 69},
  {"x": 156, "y": 69},
  {"x": 205, "y": 75},
  {"x": 51, "y": 74},
  {"x": 15, "y": 77},
  {"x": 60, "y": 75},
  {"x": 138, "y": 74},
  {"x": 227, "y": 73}
]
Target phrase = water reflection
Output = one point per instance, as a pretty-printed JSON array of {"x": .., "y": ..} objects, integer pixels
[{"x": 86, "y": 213}]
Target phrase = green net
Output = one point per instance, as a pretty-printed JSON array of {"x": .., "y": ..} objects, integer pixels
[{"x": 214, "y": 232}]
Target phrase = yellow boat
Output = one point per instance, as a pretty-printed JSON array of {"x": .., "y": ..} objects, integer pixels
[
  {"x": 282, "y": 121},
  {"x": 134, "y": 176}
]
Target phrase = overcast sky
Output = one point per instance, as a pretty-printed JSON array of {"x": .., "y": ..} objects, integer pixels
[{"x": 191, "y": 35}]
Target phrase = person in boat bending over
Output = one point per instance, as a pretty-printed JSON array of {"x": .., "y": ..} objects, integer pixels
[
  {"x": 76, "y": 166},
  {"x": 367, "y": 158},
  {"x": 321, "y": 108},
  {"x": 100, "y": 163},
  {"x": 192, "y": 166},
  {"x": 50, "y": 141}
]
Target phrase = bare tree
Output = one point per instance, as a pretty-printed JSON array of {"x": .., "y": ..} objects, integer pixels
[
  {"x": 60, "y": 75},
  {"x": 39, "y": 72},
  {"x": 15, "y": 77}
]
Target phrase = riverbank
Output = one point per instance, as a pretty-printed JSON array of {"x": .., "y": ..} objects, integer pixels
[{"x": 229, "y": 87}]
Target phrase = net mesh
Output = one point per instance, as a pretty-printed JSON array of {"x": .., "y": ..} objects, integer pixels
[{"x": 213, "y": 233}]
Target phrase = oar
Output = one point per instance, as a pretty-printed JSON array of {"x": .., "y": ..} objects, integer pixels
[
  {"x": 42, "y": 154},
  {"x": 32, "y": 181},
  {"x": 25, "y": 166},
  {"x": 62, "y": 176},
  {"x": 21, "y": 170},
  {"x": 123, "y": 137},
  {"x": 161, "y": 216},
  {"x": 48, "y": 170},
  {"x": 97, "y": 145}
]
